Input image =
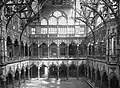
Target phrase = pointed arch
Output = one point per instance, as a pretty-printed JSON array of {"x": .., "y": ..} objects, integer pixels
[
  {"x": 53, "y": 69},
  {"x": 9, "y": 46},
  {"x": 104, "y": 80},
  {"x": 34, "y": 49},
  {"x": 34, "y": 71},
  {"x": 9, "y": 79},
  {"x": 16, "y": 48},
  {"x": 73, "y": 49},
  {"x": 114, "y": 82},
  {"x": 63, "y": 49},
  {"x": 63, "y": 70},
  {"x": 73, "y": 70},
  {"x": 53, "y": 49},
  {"x": 43, "y": 48},
  {"x": 44, "y": 21}
]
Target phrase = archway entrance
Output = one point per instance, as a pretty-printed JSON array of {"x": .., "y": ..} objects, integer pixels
[
  {"x": 114, "y": 83},
  {"x": 98, "y": 78},
  {"x": 73, "y": 71},
  {"x": 93, "y": 75},
  {"x": 34, "y": 71},
  {"x": 9, "y": 80},
  {"x": 104, "y": 80},
  {"x": 81, "y": 70},
  {"x": 63, "y": 70},
  {"x": 53, "y": 50},
  {"x": 22, "y": 75},
  {"x": 42, "y": 70},
  {"x": 26, "y": 73},
  {"x": 89, "y": 72},
  {"x": 17, "y": 80},
  {"x": 53, "y": 71}
]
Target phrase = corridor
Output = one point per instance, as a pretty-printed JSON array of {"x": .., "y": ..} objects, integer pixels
[{"x": 53, "y": 83}]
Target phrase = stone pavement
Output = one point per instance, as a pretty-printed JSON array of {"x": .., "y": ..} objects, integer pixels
[{"x": 53, "y": 83}]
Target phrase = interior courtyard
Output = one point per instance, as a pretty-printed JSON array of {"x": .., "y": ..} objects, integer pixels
[{"x": 59, "y": 44}]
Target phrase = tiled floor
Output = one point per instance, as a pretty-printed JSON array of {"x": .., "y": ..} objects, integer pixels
[{"x": 53, "y": 83}]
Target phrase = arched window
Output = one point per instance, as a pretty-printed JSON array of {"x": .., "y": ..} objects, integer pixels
[
  {"x": 62, "y": 21},
  {"x": 52, "y": 21},
  {"x": 43, "y": 22},
  {"x": 57, "y": 14}
]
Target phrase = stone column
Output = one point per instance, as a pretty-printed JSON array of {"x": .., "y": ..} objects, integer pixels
[
  {"x": 19, "y": 78},
  {"x": 78, "y": 72},
  {"x": 28, "y": 51},
  {"x": 38, "y": 72},
  {"x": 67, "y": 72},
  {"x": 68, "y": 51},
  {"x": 28, "y": 73},
  {"x": 24, "y": 50},
  {"x": 24, "y": 75},
  {"x": 58, "y": 73},
  {"x": 38, "y": 51},
  {"x": 48, "y": 52},
  {"x": 4, "y": 83},
  {"x": 58, "y": 53},
  {"x": 13, "y": 80}
]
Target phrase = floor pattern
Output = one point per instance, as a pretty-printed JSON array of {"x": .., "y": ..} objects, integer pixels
[{"x": 53, "y": 83}]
